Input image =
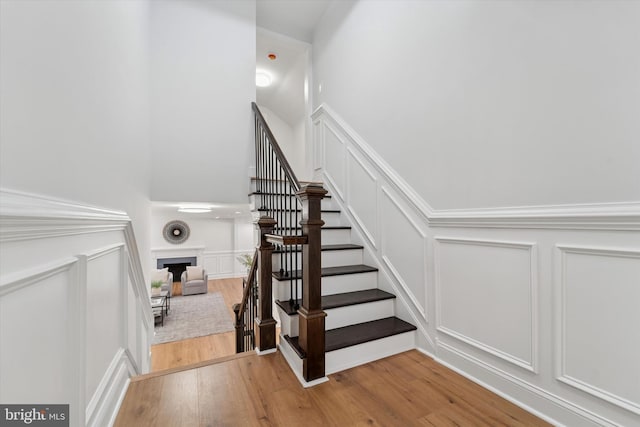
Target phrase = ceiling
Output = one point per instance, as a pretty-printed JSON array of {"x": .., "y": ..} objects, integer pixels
[
  {"x": 286, "y": 95},
  {"x": 285, "y": 27},
  {"x": 293, "y": 18}
]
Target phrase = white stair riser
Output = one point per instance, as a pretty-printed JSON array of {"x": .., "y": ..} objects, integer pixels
[
  {"x": 255, "y": 202},
  {"x": 336, "y": 237},
  {"x": 349, "y": 357},
  {"x": 331, "y": 218},
  {"x": 270, "y": 186},
  {"x": 341, "y": 316},
  {"x": 295, "y": 363},
  {"x": 329, "y": 258},
  {"x": 331, "y": 284}
]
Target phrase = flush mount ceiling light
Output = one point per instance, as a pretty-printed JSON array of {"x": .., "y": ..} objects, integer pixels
[
  {"x": 262, "y": 79},
  {"x": 194, "y": 210}
]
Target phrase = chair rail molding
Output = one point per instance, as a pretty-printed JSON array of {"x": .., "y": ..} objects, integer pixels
[
  {"x": 505, "y": 296},
  {"x": 83, "y": 267}
]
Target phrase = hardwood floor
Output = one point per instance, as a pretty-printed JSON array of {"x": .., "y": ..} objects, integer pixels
[
  {"x": 195, "y": 350},
  {"x": 248, "y": 390}
]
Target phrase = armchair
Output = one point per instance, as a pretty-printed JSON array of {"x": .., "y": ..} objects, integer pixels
[{"x": 194, "y": 281}]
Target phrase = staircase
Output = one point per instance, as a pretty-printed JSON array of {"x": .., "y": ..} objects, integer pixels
[
  {"x": 332, "y": 314},
  {"x": 360, "y": 325}
]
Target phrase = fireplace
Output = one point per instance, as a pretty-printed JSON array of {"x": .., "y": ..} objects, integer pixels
[{"x": 176, "y": 265}]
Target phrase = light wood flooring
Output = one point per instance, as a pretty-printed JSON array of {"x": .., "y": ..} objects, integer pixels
[
  {"x": 408, "y": 389},
  {"x": 195, "y": 350}
]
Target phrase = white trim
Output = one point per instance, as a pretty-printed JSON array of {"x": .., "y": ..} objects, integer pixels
[
  {"x": 318, "y": 141},
  {"x": 265, "y": 352},
  {"x": 595, "y": 216},
  {"x": 383, "y": 168},
  {"x": 103, "y": 407},
  {"x": 295, "y": 363},
  {"x": 530, "y": 247},
  {"x": 25, "y": 217},
  {"x": 16, "y": 281},
  {"x": 560, "y": 321}
]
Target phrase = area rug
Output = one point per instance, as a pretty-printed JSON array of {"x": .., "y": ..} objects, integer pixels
[{"x": 194, "y": 316}]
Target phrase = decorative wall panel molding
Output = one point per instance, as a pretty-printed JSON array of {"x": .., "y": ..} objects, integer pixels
[
  {"x": 363, "y": 202},
  {"x": 495, "y": 287},
  {"x": 587, "y": 322},
  {"x": 334, "y": 159},
  {"x": 36, "y": 363},
  {"x": 580, "y": 415},
  {"x": 508, "y": 256},
  {"x": 83, "y": 279},
  {"x": 404, "y": 250}
]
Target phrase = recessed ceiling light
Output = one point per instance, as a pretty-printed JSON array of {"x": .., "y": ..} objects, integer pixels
[
  {"x": 272, "y": 56},
  {"x": 194, "y": 210},
  {"x": 262, "y": 79},
  {"x": 238, "y": 212}
]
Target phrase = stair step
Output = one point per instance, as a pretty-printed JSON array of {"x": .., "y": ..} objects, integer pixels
[
  {"x": 341, "y": 247},
  {"x": 360, "y": 333},
  {"x": 329, "y": 271},
  {"x": 324, "y": 227},
  {"x": 255, "y": 193},
  {"x": 340, "y": 300},
  {"x": 298, "y": 210}
]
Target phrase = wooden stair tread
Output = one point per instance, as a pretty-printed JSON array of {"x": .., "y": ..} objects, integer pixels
[
  {"x": 255, "y": 193},
  {"x": 347, "y": 336},
  {"x": 324, "y": 227},
  {"x": 340, "y": 247},
  {"x": 329, "y": 271},
  {"x": 340, "y": 300},
  {"x": 298, "y": 210}
]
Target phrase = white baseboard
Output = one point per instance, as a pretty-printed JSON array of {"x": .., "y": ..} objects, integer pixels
[{"x": 103, "y": 407}]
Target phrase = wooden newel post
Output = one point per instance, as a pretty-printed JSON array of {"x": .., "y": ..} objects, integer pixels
[
  {"x": 265, "y": 325},
  {"x": 239, "y": 329},
  {"x": 311, "y": 316}
]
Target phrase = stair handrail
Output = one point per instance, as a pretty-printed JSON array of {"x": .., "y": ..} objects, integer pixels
[
  {"x": 250, "y": 278},
  {"x": 293, "y": 223},
  {"x": 241, "y": 308},
  {"x": 276, "y": 148}
]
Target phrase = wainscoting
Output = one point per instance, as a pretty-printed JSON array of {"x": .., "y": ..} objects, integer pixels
[
  {"x": 537, "y": 304},
  {"x": 75, "y": 322}
]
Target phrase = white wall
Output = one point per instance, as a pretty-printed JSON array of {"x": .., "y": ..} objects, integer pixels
[
  {"x": 537, "y": 304},
  {"x": 493, "y": 103},
  {"x": 74, "y": 105},
  {"x": 215, "y": 242},
  {"x": 202, "y": 85},
  {"x": 291, "y": 140},
  {"x": 74, "y": 317}
]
